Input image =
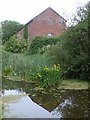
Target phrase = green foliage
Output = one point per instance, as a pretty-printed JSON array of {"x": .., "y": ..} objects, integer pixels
[
  {"x": 7, "y": 70},
  {"x": 39, "y": 42},
  {"x": 15, "y": 45},
  {"x": 72, "y": 54},
  {"x": 48, "y": 75},
  {"x": 36, "y": 68},
  {"x": 0, "y": 34},
  {"x": 9, "y": 28},
  {"x": 82, "y": 13},
  {"x": 26, "y": 31},
  {"x": 76, "y": 44}
]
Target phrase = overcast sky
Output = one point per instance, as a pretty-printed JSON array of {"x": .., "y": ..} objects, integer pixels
[{"x": 23, "y": 11}]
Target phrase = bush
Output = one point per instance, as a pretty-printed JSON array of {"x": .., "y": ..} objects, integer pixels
[
  {"x": 15, "y": 45},
  {"x": 77, "y": 44},
  {"x": 47, "y": 76},
  {"x": 39, "y": 42},
  {"x": 72, "y": 52}
]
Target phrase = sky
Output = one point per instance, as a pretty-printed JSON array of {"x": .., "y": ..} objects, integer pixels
[{"x": 23, "y": 11}]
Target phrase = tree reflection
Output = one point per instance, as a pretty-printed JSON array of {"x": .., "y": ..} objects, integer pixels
[{"x": 75, "y": 106}]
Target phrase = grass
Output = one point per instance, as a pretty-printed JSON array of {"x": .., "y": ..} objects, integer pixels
[
  {"x": 0, "y": 59},
  {"x": 23, "y": 66},
  {"x": 73, "y": 84},
  {"x": 0, "y": 80},
  {"x": 61, "y": 84},
  {"x": 1, "y": 114},
  {"x": 36, "y": 68}
]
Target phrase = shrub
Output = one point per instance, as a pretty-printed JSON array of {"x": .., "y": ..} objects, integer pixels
[
  {"x": 39, "y": 42},
  {"x": 46, "y": 75},
  {"x": 72, "y": 53},
  {"x": 36, "y": 68},
  {"x": 15, "y": 45},
  {"x": 77, "y": 44}
]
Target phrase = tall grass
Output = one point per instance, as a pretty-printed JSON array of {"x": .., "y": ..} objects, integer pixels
[
  {"x": 30, "y": 67},
  {"x": 0, "y": 66}
]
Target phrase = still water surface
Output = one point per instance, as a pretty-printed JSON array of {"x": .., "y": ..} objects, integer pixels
[{"x": 22, "y": 100}]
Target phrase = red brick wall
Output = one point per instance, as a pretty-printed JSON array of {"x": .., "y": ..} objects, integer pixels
[{"x": 47, "y": 22}]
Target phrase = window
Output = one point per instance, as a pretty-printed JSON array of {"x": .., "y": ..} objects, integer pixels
[{"x": 49, "y": 34}]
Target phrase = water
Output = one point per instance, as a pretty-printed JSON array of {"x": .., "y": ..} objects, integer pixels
[{"x": 22, "y": 100}]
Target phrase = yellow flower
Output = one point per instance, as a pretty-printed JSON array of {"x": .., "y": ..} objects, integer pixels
[
  {"x": 54, "y": 66},
  {"x": 46, "y": 69},
  {"x": 58, "y": 66},
  {"x": 38, "y": 75}
]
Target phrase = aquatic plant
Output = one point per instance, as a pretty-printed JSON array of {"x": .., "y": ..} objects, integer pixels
[{"x": 31, "y": 68}]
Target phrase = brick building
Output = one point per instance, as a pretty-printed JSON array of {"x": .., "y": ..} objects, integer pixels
[{"x": 47, "y": 23}]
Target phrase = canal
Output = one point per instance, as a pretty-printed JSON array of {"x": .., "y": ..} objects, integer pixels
[{"x": 25, "y": 100}]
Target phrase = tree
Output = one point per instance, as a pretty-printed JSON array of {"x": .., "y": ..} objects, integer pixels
[
  {"x": 9, "y": 28},
  {"x": 0, "y": 34},
  {"x": 77, "y": 45},
  {"x": 74, "y": 52},
  {"x": 82, "y": 12}
]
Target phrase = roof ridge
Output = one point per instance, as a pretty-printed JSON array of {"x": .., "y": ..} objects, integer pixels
[
  {"x": 44, "y": 11},
  {"x": 40, "y": 14}
]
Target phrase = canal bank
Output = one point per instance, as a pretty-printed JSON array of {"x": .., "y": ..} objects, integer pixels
[{"x": 62, "y": 84}]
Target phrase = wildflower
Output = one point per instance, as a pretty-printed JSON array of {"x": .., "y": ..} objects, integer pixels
[
  {"x": 54, "y": 67},
  {"x": 58, "y": 66},
  {"x": 46, "y": 69},
  {"x": 38, "y": 75}
]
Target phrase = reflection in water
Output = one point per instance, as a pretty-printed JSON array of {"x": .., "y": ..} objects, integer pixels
[
  {"x": 46, "y": 100},
  {"x": 12, "y": 92},
  {"x": 73, "y": 107},
  {"x": 22, "y": 107},
  {"x": 68, "y": 104},
  {"x": 57, "y": 103}
]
